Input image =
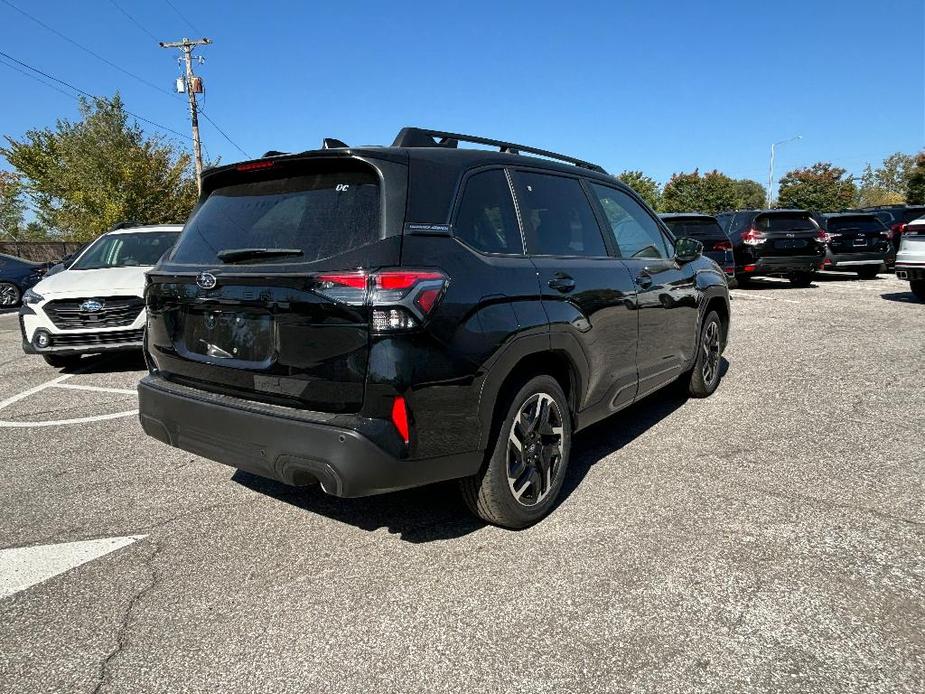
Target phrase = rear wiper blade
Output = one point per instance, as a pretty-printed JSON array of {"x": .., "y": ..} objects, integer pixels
[{"x": 233, "y": 255}]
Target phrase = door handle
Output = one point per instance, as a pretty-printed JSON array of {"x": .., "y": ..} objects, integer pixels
[
  {"x": 562, "y": 282},
  {"x": 643, "y": 280}
]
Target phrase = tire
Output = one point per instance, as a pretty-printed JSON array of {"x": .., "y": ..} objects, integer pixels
[
  {"x": 800, "y": 279},
  {"x": 918, "y": 288},
  {"x": 868, "y": 273},
  {"x": 61, "y": 361},
  {"x": 703, "y": 379},
  {"x": 510, "y": 490},
  {"x": 743, "y": 280},
  {"x": 10, "y": 296}
]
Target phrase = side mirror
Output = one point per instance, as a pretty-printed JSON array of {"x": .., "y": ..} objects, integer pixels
[{"x": 687, "y": 249}]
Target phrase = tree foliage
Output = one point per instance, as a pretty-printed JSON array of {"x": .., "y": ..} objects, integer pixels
[
  {"x": 887, "y": 183},
  {"x": 645, "y": 186},
  {"x": 712, "y": 192},
  {"x": 822, "y": 187},
  {"x": 85, "y": 176},
  {"x": 750, "y": 195},
  {"x": 915, "y": 183},
  {"x": 12, "y": 206}
]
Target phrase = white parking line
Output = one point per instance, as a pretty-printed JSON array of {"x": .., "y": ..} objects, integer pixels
[
  {"x": 59, "y": 383},
  {"x": 24, "y": 567}
]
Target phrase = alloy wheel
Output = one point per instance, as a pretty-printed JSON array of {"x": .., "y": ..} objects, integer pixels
[
  {"x": 710, "y": 347},
  {"x": 534, "y": 450},
  {"x": 9, "y": 294}
]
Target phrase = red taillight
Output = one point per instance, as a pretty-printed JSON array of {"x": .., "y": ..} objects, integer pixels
[
  {"x": 254, "y": 165},
  {"x": 722, "y": 246},
  {"x": 753, "y": 237},
  {"x": 897, "y": 229},
  {"x": 400, "y": 418},
  {"x": 400, "y": 299},
  {"x": 824, "y": 236},
  {"x": 749, "y": 268},
  {"x": 827, "y": 261}
]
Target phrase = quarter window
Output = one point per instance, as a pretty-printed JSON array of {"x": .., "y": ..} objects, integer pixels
[
  {"x": 635, "y": 233},
  {"x": 486, "y": 219},
  {"x": 557, "y": 216}
]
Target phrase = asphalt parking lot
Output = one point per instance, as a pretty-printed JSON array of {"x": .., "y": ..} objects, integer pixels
[{"x": 769, "y": 538}]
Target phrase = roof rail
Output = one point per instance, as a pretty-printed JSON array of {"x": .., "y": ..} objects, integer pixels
[{"x": 420, "y": 137}]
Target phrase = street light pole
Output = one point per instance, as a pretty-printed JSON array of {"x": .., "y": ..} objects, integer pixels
[{"x": 771, "y": 166}]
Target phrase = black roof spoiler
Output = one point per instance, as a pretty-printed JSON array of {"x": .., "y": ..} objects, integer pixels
[{"x": 419, "y": 137}]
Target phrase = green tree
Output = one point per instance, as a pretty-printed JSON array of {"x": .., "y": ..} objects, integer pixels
[
  {"x": 682, "y": 193},
  {"x": 645, "y": 186},
  {"x": 822, "y": 187},
  {"x": 717, "y": 192},
  {"x": 887, "y": 183},
  {"x": 12, "y": 206},
  {"x": 915, "y": 184},
  {"x": 750, "y": 195},
  {"x": 85, "y": 176}
]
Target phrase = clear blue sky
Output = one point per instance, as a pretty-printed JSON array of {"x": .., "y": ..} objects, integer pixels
[{"x": 658, "y": 86}]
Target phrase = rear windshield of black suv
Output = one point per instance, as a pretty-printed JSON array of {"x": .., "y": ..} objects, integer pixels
[
  {"x": 319, "y": 215},
  {"x": 865, "y": 223},
  {"x": 702, "y": 229},
  {"x": 784, "y": 221}
]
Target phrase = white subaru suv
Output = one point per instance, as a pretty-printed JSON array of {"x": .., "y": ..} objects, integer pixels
[
  {"x": 910, "y": 259},
  {"x": 97, "y": 304}
]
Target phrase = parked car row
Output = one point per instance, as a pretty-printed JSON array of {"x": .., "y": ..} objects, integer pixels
[{"x": 17, "y": 275}]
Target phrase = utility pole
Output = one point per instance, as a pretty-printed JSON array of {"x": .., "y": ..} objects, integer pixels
[{"x": 192, "y": 87}]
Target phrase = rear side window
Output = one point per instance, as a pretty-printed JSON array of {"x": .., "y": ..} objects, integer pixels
[
  {"x": 557, "y": 216},
  {"x": 695, "y": 228},
  {"x": 783, "y": 221},
  {"x": 636, "y": 234},
  {"x": 321, "y": 214},
  {"x": 486, "y": 219},
  {"x": 866, "y": 223}
]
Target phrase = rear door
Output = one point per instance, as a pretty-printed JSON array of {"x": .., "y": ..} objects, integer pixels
[
  {"x": 786, "y": 234},
  {"x": 588, "y": 295},
  {"x": 856, "y": 234},
  {"x": 263, "y": 296},
  {"x": 666, "y": 296}
]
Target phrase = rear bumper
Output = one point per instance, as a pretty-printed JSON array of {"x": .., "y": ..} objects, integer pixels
[
  {"x": 781, "y": 265},
  {"x": 287, "y": 445},
  {"x": 852, "y": 261},
  {"x": 910, "y": 272}
]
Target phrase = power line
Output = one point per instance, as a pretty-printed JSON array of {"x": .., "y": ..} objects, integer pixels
[
  {"x": 133, "y": 20},
  {"x": 84, "y": 48},
  {"x": 37, "y": 79},
  {"x": 223, "y": 133},
  {"x": 84, "y": 93},
  {"x": 180, "y": 15}
]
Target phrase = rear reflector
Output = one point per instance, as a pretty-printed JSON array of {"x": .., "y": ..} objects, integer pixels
[
  {"x": 254, "y": 165},
  {"x": 400, "y": 418},
  {"x": 749, "y": 268}
]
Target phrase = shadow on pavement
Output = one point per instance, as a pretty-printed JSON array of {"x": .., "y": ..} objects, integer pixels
[
  {"x": 108, "y": 363},
  {"x": 437, "y": 512},
  {"x": 902, "y": 297},
  {"x": 764, "y": 283}
]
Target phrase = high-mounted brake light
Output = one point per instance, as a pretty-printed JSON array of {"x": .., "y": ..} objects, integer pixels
[
  {"x": 400, "y": 299},
  {"x": 753, "y": 237},
  {"x": 254, "y": 165}
]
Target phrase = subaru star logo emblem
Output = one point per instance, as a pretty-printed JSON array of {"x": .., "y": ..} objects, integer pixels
[
  {"x": 206, "y": 280},
  {"x": 91, "y": 305}
]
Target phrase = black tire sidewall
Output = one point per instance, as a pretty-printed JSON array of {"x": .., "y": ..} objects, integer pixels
[{"x": 698, "y": 387}]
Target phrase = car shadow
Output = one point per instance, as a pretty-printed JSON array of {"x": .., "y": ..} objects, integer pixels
[
  {"x": 108, "y": 363},
  {"x": 765, "y": 283},
  {"x": 437, "y": 512},
  {"x": 902, "y": 297}
]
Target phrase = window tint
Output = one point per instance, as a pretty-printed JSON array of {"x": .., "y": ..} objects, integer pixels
[
  {"x": 486, "y": 219},
  {"x": 324, "y": 214},
  {"x": 784, "y": 221},
  {"x": 636, "y": 234},
  {"x": 557, "y": 217},
  {"x": 695, "y": 228},
  {"x": 859, "y": 223},
  {"x": 126, "y": 250}
]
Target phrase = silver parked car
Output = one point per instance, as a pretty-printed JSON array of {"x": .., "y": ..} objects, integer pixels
[{"x": 910, "y": 260}]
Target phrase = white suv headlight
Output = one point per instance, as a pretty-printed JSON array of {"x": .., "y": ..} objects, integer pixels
[{"x": 31, "y": 297}]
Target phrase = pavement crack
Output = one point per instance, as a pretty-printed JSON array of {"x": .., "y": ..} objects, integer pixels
[{"x": 105, "y": 677}]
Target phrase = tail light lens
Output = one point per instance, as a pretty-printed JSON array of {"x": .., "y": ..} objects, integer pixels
[
  {"x": 400, "y": 299},
  {"x": 753, "y": 237},
  {"x": 897, "y": 229},
  {"x": 400, "y": 418},
  {"x": 722, "y": 246},
  {"x": 824, "y": 236}
]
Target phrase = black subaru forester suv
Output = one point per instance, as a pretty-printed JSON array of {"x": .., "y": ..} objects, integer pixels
[{"x": 378, "y": 318}]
